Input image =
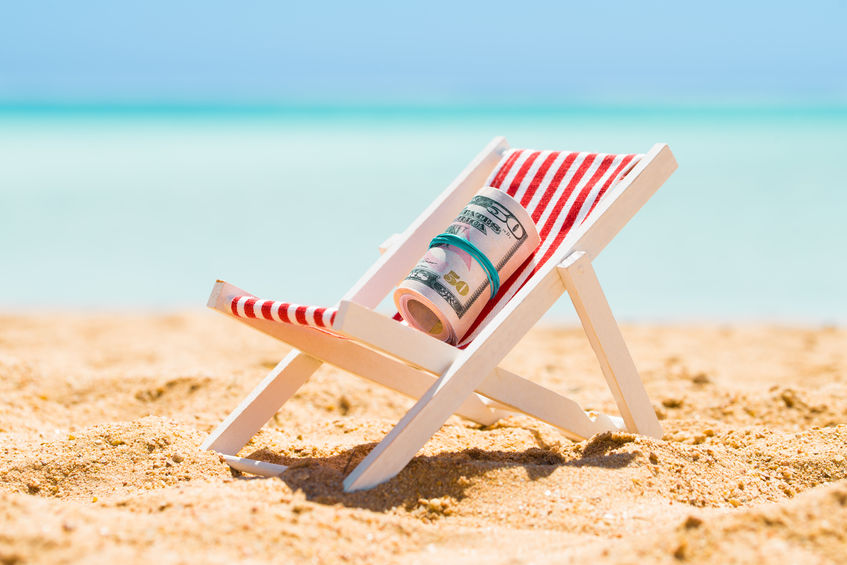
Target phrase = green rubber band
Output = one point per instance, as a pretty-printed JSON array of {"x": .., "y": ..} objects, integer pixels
[{"x": 473, "y": 251}]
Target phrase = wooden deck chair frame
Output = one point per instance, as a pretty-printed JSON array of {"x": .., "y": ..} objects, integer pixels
[{"x": 443, "y": 378}]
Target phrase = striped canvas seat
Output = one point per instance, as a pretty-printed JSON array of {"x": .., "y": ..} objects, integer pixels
[{"x": 559, "y": 189}]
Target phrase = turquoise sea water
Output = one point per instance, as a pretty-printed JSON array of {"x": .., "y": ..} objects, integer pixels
[{"x": 145, "y": 209}]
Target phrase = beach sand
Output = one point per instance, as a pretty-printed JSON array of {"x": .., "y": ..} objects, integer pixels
[{"x": 101, "y": 418}]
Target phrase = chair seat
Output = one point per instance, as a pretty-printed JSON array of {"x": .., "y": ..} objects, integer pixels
[{"x": 559, "y": 189}]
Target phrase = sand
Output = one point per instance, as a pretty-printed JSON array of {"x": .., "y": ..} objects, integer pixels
[{"x": 101, "y": 418}]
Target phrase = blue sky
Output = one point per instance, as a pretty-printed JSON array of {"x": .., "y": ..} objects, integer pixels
[{"x": 428, "y": 52}]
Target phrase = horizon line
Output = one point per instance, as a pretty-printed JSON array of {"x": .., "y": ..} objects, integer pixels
[{"x": 292, "y": 108}]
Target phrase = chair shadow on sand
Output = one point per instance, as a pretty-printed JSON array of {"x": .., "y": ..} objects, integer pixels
[{"x": 433, "y": 476}]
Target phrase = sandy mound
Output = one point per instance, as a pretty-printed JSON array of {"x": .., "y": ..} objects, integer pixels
[{"x": 101, "y": 418}]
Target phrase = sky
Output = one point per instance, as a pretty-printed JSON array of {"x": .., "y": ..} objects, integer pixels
[
  {"x": 432, "y": 52},
  {"x": 80, "y": 194}
]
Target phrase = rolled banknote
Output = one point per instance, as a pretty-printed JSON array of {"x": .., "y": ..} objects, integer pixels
[{"x": 448, "y": 288}]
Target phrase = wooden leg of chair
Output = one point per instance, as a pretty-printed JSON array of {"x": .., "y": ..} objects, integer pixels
[
  {"x": 419, "y": 424},
  {"x": 605, "y": 336},
  {"x": 262, "y": 403}
]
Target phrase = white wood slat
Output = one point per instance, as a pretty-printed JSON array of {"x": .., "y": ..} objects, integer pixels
[
  {"x": 605, "y": 337},
  {"x": 390, "y": 242},
  {"x": 254, "y": 467},
  {"x": 394, "y": 338},
  {"x": 262, "y": 403},
  {"x": 542, "y": 403}
]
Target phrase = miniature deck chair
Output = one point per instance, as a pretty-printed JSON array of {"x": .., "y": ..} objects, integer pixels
[{"x": 579, "y": 202}]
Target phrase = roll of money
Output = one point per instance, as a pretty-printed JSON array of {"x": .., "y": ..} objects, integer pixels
[{"x": 448, "y": 288}]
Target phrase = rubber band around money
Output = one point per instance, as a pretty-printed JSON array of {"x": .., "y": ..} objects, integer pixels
[{"x": 473, "y": 251}]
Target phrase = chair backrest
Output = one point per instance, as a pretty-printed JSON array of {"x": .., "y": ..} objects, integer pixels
[{"x": 560, "y": 190}]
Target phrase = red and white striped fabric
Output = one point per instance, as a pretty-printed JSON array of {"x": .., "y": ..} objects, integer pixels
[
  {"x": 284, "y": 312},
  {"x": 558, "y": 189}
]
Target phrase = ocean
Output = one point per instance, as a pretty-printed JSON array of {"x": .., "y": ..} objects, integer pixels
[{"x": 142, "y": 209}]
